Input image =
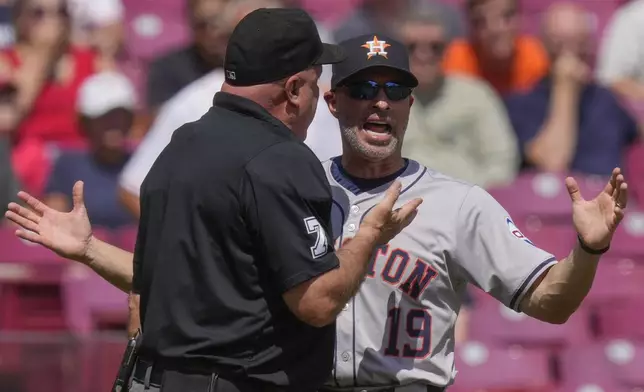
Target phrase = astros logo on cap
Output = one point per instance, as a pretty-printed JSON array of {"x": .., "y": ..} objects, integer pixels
[{"x": 376, "y": 47}]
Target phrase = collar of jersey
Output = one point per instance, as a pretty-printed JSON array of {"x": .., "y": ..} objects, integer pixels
[{"x": 358, "y": 185}]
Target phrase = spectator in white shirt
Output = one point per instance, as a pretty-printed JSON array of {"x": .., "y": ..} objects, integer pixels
[
  {"x": 189, "y": 105},
  {"x": 620, "y": 61}
]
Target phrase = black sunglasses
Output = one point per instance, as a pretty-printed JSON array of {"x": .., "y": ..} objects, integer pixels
[{"x": 368, "y": 90}]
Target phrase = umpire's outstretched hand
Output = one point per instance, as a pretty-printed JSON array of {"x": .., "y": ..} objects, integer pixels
[
  {"x": 386, "y": 221},
  {"x": 66, "y": 233}
]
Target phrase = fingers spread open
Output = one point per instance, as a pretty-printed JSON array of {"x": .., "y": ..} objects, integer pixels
[
  {"x": 32, "y": 202},
  {"x": 573, "y": 190},
  {"x": 29, "y": 236},
  {"x": 24, "y": 212},
  {"x": 621, "y": 196}
]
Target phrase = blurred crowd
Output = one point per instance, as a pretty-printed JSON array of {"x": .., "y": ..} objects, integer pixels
[{"x": 92, "y": 90}]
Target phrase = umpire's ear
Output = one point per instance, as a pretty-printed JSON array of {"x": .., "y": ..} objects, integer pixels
[
  {"x": 331, "y": 101},
  {"x": 292, "y": 88}
]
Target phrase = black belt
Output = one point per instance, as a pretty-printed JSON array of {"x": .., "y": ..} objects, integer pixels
[
  {"x": 155, "y": 377},
  {"x": 430, "y": 388},
  {"x": 141, "y": 370},
  {"x": 148, "y": 373}
]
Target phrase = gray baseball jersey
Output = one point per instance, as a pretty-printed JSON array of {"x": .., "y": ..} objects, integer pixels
[{"x": 399, "y": 329}]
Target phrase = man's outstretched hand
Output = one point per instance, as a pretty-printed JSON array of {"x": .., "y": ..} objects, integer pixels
[
  {"x": 597, "y": 219},
  {"x": 67, "y": 233}
]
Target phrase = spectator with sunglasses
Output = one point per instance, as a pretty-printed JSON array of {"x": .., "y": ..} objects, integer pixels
[
  {"x": 495, "y": 51},
  {"x": 47, "y": 72},
  {"x": 458, "y": 124}
]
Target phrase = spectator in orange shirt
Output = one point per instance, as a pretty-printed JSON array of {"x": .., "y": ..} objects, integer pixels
[{"x": 495, "y": 51}]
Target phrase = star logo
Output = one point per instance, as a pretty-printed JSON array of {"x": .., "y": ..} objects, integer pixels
[{"x": 376, "y": 48}]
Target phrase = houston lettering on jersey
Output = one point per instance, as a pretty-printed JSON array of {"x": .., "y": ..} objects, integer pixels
[{"x": 400, "y": 270}]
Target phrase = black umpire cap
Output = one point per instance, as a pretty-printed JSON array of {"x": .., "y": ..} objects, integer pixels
[
  {"x": 373, "y": 50},
  {"x": 270, "y": 44}
]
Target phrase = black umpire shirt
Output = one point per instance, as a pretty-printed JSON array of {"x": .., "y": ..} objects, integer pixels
[{"x": 234, "y": 212}]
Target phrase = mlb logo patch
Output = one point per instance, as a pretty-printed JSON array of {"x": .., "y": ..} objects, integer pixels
[{"x": 514, "y": 230}]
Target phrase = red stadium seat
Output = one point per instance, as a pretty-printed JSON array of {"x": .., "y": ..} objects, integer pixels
[
  {"x": 613, "y": 365},
  {"x": 616, "y": 279},
  {"x": 91, "y": 303},
  {"x": 29, "y": 361},
  {"x": 542, "y": 198},
  {"x": 621, "y": 319},
  {"x": 100, "y": 358},
  {"x": 634, "y": 169},
  {"x": 484, "y": 368},
  {"x": 495, "y": 324},
  {"x": 152, "y": 29},
  {"x": 628, "y": 240},
  {"x": 30, "y": 284},
  {"x": 535, "y": 196}
]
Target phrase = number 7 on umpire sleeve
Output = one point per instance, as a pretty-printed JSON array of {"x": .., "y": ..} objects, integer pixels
[{"x": 320, "y": 248}]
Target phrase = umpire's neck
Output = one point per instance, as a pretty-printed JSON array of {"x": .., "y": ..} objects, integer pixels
[{"x": 290, "y": 100}]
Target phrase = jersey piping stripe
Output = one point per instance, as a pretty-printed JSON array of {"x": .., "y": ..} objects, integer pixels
[
  {"x": 415, "y": 181},
  {"x": 518, "y": 295},
  {"x": 335, "y": 352},
  {"x": 401, "y": 192},
  {"x": 355, "y": 374}
]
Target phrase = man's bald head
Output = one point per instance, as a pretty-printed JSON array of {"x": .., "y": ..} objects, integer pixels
[{"x": 568, "y": 27}]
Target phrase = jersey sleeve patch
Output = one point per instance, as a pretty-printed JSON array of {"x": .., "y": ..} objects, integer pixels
[{"x": 514, "y": 230}]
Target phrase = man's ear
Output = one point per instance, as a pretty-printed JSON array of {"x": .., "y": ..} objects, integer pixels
[
  {"x": 293, "y": 89},
  {"x": 331, "y": 101},
  {"x": 411, "y": 100}
]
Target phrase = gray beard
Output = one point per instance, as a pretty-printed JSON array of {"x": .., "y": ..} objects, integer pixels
[{"x": 367, "y": 151}]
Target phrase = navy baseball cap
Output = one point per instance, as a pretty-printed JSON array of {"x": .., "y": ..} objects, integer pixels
[
  {"x": 270, "y": 44},
  {"x": 369, "y": 51}
]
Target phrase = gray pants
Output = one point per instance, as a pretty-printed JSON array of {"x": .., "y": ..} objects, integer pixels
[{"x": 139, "y": 387}]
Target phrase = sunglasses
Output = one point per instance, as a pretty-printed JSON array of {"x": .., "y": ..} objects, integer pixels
[{"x": 368, "y": 90}]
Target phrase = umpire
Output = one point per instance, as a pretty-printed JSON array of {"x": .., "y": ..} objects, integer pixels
[{"x": 238, "y": 280}]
